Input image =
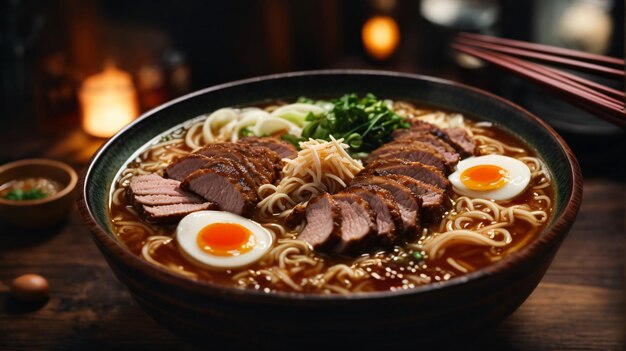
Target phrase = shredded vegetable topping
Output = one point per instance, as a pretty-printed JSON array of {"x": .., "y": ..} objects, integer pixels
[{"x": 321, "y": 166}]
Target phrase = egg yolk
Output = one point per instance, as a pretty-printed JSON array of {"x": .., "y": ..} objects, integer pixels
[
  {"x": 485, "y": 177},
  {"x": 225, "y": 239}
]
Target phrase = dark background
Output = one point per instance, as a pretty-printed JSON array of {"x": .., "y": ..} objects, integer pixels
[{"x": 47, "y": 48}]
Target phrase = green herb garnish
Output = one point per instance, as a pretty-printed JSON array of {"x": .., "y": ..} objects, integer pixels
[
  {"x": 364, "y": 123},
  {"x": 246, "y": 132},
  {"x": 417, "y": 256},
  {"x": 305, "y": 100},
  {"x": 292, "y": 139},
  {"x": 19, "y": 194}
]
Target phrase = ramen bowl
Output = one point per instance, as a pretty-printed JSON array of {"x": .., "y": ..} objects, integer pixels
[{"x": 203, "y": 311}]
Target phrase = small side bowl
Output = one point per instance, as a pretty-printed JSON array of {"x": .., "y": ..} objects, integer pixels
[{"x": 41, "y": 213}]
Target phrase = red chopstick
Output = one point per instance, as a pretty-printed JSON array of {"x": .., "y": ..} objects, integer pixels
[
  {"x": 607, "y": 90},
  {"x": 597, "y": 103},
  {"x": 547, "y": 49},
  {"x": 545, "y": 57}
]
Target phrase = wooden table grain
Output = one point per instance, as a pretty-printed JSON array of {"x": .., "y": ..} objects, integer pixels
[{"x": 579, "y": 305}]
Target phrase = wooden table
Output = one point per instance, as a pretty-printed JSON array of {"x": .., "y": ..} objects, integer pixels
[{"x": 577, "y": 306}]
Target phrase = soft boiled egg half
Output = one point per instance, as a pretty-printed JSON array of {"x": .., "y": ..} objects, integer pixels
[
  {"x": 222, "y": 240},
  {"x": 494, "y": 177}
]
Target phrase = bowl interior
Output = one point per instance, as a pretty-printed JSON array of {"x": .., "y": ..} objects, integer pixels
[
  {"x": 418, "y": 89},
  {"x": 54, "y": 170}
]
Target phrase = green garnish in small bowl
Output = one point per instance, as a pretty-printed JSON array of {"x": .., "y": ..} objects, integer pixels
[{"x": 30, "y": 194}]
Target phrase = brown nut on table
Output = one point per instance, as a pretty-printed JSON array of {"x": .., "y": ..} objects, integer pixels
[{"x": 30, "y": 288}]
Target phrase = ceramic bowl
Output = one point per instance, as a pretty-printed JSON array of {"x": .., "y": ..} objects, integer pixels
[
  {"x": 41, "y": 213},
  {"x": 206, "y": 312}
]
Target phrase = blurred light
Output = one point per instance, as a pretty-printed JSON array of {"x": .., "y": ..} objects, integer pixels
[
  {"x": 384, "y": 6},
  {"x": 149, "y": 77},
  {"x": 380, "y": 36},
  {"x": 443, "y": 12},
  {"x": 467, "y": 61},
  {"x": 463, "y": 14},
  {"x": 109, "y": 102},
  {"x": 586, "y": 27}
]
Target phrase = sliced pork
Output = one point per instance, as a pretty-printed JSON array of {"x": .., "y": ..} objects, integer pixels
[
  {"x": 358, "y": 223},
  {"x": 408, "y": 204},
  {"x": 162, "y": 200},
  {"x": 296, "y": 216},
  {"x": 160, "y": 190},
  {"x": 385, "y": 208},
  {"x": 255, "y": 160},
  {"x": 414, "y": 151},
  {"x": 460, "y": 140},
  {"x": 416, "y": 170},
  {"x": 185, "y": 165},
  {"x": 157, "y": 200},
  {"x": 233, "y": 168},
  {"x": 434, "y": 200},
  {"x": 228, "y": 174},
  {"x": 323, "y": 223},
  {"x": 408, "y": 135},
  {"x": 155, "y": 185},
  {"x": 174, "y": 212},
  {"x": 281, "y": 147},
  {"x": 252, "y": 168},
  {"x": 225, "y": 185},
  {"x": 456, "y": 137},
  {"x": 149, "y": 178},
  {"x": 423, "y": 126}
]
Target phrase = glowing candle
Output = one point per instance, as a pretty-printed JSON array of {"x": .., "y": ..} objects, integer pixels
[
  {"x": 380, "y": 36},
  {"x": 109, "y": 102}
]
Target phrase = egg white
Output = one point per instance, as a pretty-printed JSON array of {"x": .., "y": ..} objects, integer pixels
[
  {"x": 187, "y": 238},
  {"x": 518, "y": 182}
]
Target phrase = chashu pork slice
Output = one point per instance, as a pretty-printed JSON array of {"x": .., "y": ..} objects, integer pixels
[
  {"x": 460, "y": 140},
  {"x": 262, "y": 171},
  {"x": 434, "y": 200},
  {"x": 409, "y": 136},
  {"x": 158, "y": 200},
  {"x": 161, "y": 200},
  {"x": 153, "y": 184},
  {"x": 408, "y": 204},
  {"x": 415, "y": 170},
  {"x": 226, "y": 183},
  {"x": 173, "y": 213},
  {"x": 323, "y": 223},
  {"x": 185, "y": 165},
  {"x": 456, "y": 137},
  {"x": 385, "y": 208},
  {"x": 281, "y": 147},
  {"x": 358, "y": 224},
  {"x": 415, "y": 152}
]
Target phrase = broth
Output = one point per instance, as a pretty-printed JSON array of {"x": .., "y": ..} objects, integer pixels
[{"x": 399, "y": 268}]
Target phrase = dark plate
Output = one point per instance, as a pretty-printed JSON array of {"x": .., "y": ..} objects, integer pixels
[{"x": 205, "y": 311}]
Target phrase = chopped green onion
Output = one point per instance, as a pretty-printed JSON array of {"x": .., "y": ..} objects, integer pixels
[
  {"x": 19, "y": 194},
  {"x": 364, "y": 123},
  {"x": 246, "y": 132},
  {"x": 417, "y": 256}
]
